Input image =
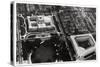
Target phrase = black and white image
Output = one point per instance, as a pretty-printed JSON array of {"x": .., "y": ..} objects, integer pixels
[{"x": 54, "y": 33}]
